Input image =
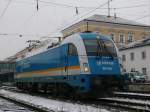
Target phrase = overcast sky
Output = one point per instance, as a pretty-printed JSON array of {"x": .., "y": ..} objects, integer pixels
[{"x": 21, "y": 17}]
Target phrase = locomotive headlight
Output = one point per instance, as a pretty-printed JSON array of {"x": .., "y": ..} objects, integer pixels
[{"x": 85, "y": 66}]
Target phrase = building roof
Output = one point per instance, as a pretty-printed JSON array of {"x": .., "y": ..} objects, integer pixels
[
  {"x": 140, "y": 43},
  {"x": 111, "y": 19}
]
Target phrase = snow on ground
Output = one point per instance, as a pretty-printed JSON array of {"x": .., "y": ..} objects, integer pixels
[
  {"x": 50, "y": 104},
  {"x": 7, "y": 106}
]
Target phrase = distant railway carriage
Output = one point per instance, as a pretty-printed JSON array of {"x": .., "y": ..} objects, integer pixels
[{"x": 82, "y": 63}]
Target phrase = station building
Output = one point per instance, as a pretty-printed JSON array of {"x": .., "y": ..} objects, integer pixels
[
  {"x": 136, "y": 57},
  {"x": 122, "y": 31},
  {"x": 7, "y": 70}
]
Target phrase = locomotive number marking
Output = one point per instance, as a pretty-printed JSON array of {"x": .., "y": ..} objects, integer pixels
[{"x": 105, "y": 63}]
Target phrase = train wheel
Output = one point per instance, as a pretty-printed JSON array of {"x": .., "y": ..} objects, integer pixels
[
  {"x": 45, "y": 87},
  {"x": 35, "y": 87},
  {"x": 55, "y": 90},
  {"x": 64, "y": 90},
  {"x": 19, "y": 86}
]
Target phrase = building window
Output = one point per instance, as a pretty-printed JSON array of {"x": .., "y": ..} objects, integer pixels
[
  {"x": 112, "y": 36},
  {"x": 97, "y": 29},
  {"x": 123, "y": 57},
  {"x": 124, "y": 70},
  {"x": 78, "y": 30},
  {"x": 130, "y": 37},
  {"x": 143, "y": 55},
  {"x": 143, "y": 35},
  {"x": 132, "y": 69},
  {"x": 132, "y": 56},
  {"x": 144, "y": 71},
  {"x": 122, "y": 38}
]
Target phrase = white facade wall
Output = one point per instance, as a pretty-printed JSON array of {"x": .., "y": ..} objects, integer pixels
[{"x": 138, "y": 63}]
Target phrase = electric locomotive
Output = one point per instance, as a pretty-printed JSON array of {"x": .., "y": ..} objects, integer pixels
[{"x": 84, "y": 63}]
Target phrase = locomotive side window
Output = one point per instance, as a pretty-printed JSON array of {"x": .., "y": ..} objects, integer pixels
[{"x": 72, "y": 50}]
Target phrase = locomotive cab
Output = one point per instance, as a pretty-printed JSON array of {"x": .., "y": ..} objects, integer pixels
[
  {"x": 103, "y": 62},
  {"x": 98, "y": 61}
]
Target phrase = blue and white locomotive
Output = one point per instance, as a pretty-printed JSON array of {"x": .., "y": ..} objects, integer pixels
[{"x": 81, "y": 63}]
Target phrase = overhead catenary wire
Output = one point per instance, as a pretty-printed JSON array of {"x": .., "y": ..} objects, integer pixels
[
  {"x": 85, "y": 14},
  {"x": 133, "y": 6},
  {"x": 142, "y": 17},
  {"x": 76, "y": 13},
  {"x": 77, "y": 7},
  {"x": 24, "y": 2},
  {"x": 33, "y": 14},
  {"x": 84, "y": 7},
  {"x": 72, "y": 6},
  {"x": 89, "y": 12},
  {"x": 18, "y": 35},
  {"x": 5, "y": 9}
]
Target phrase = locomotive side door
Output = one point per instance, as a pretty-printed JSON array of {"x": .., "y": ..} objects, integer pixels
[
  {"x": 64, "y": 60},
  {"x": 71, "y": 60}
]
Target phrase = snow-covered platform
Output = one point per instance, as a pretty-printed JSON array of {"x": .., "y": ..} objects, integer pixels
[{"x": 50, "y": 104}]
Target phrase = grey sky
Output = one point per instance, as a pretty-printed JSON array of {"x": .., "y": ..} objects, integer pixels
[{"x": 21, "y": 17}]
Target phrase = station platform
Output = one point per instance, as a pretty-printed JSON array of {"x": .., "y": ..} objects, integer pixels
[{"x": 139, "y": 87}]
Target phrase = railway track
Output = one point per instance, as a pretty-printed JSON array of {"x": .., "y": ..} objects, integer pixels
[
  {"x": 127, "y": 104},
  {"x": 61, "y": 104},
  {"x": 139, "y": 102},
  {"x": 133, "y": 95},
  {"x": 128, "y": 101},
  {"x": 34, "y": 108},
  {"x": 125, "y": 101},
  {"x": 7, "y": 106},
  {"x": 23, "y": 105}
]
